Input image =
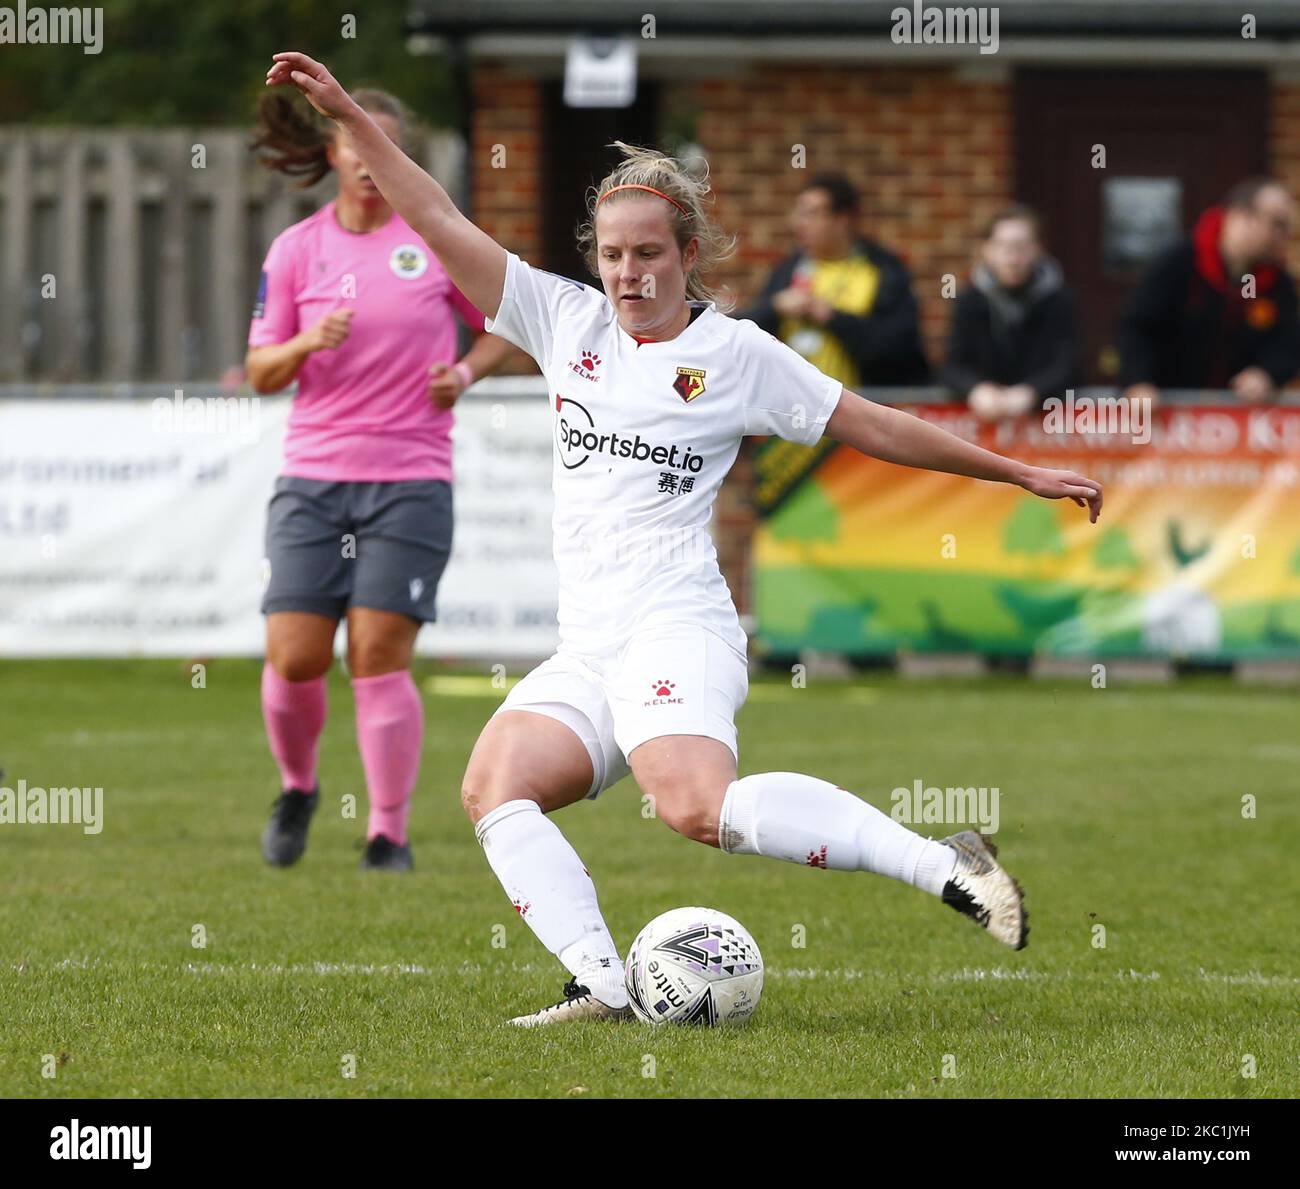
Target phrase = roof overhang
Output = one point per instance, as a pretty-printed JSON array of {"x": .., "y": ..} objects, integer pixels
[
  {"x": 722, "y": 35},
  {"x": 832, "y": 18}
]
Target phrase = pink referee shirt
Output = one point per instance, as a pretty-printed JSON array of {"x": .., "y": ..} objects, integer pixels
[{"x": 362, "y": 412}]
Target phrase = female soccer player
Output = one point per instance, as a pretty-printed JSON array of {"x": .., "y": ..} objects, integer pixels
[
  {"x": 354, "y": 306},
  {"x": 653, "y": 389}
]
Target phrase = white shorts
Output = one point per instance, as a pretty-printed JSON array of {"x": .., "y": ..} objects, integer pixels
[{"x": 677, "y": 679}]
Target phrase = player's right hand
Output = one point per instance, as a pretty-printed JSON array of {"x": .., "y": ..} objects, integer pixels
[
  {"x": 321, "y": 88},
  {"x": 330, "y": 331}
]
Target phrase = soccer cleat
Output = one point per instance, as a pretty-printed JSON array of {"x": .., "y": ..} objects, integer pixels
[
  {"x": 383, "y": 854},
  {"x": 578, "y": 1004},
  {"x": 981, "y": 890},
  {"x": 285, "y": 836}
]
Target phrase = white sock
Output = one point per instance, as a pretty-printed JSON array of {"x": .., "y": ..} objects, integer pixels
[
  {"x": 552, "y": 891},
  {"x": 603, "y": 977},
  {"x": 786, "y": 815}
]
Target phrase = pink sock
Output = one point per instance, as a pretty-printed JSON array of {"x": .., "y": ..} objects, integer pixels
[
  {"x": 390, "y": 731},
  {"x": 294, "y": 712}
]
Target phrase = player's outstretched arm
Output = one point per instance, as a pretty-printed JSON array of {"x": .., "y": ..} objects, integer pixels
[
  {"x": 894, "y": 436},
  {"x": 473, "y": 259}
]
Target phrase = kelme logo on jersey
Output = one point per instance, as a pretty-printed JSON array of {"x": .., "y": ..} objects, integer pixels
[
  {"x": 408, "y": 261},
  {"x": 586, "y": 365},
  {"x": 689, "y": 383},
  {"x": 579, "y": 439}
]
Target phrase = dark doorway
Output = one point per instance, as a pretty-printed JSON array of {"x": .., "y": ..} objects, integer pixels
[
  {"x": 1175, "y": 141},
  {"x": 575, "y": 157}
]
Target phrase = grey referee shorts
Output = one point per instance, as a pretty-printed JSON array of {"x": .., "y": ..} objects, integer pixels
[{"x": 333, "y": 545}]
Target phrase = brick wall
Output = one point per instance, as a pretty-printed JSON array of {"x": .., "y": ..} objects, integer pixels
[
  {"x": 506, "y": 201},
  {"x": 931, "y": 155},
  {"x": 1284, "y": 149},
  {"x": 930, "y": 151}
]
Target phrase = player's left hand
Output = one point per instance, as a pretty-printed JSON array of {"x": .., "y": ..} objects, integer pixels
[
  {"x": 1057, "y": 485},
  {"x": 445, "y": 385}
]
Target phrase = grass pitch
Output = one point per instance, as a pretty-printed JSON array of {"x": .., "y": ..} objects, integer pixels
[{"x": 1120, "y": 808}]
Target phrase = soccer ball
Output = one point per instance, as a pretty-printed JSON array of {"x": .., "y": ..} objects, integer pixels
[{"x": 694, "y": 966}]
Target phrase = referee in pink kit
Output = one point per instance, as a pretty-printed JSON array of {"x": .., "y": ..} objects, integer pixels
[{"x": 355, "y": 307}]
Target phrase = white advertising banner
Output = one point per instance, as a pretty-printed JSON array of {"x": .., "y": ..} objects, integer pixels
[
  {"x": 499, "y": 597},
  {"x": 135, "y": 527}
]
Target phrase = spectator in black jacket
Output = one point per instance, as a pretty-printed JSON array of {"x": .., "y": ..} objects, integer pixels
[
  {"x": 842, "y": 301},
  {"x": 1015, "y": 331},
  {"x": 1218, "y": 309}
]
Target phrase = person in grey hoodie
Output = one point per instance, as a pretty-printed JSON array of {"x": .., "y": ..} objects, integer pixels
[{"x": 1015, "y": 337}]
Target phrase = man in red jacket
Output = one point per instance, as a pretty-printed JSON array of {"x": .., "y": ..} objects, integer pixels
[{"x": 1218, "y": 310}]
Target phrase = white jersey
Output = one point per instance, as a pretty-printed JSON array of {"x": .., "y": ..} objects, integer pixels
[{"x": 644, "y": 435}]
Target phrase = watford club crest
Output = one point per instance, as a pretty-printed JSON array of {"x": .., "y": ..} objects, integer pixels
[{"x": 689, "y": 383}]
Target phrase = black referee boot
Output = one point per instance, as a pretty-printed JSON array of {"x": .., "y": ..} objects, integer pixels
[
  {"x": 383, "y": 854},
  {"x": 285, "y": 836}
]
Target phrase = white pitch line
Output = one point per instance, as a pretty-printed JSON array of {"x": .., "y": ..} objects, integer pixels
[
  {"x": 304, "y": 968},
  {"x": 1252, "y": 978},
  {"x": 1276, "y": 751},
  {"x": 813, "y": 972},
  {"x": 967, "y": 974}
]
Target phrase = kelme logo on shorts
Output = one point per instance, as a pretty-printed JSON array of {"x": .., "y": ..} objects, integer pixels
[
  {"x": 579, "y": 439},
  {"x": 408, "y": 261},
  {"x": 664, "y": 693}
]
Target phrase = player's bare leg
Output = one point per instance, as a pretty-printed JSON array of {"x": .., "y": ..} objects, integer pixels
[
  {"x": 524, "y": 766},
  {"x": 686, "y": 778},
  {"x": 798, "y": 818}
]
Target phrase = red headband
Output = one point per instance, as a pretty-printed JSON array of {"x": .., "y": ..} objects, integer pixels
[{"x": 649, "y": 190}]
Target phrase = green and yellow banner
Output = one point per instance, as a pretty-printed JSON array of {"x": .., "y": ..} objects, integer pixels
[{"x": 1196, "y": 554}]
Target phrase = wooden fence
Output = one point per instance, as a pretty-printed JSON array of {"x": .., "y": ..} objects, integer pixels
[{"x": 132, "y": 255}]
